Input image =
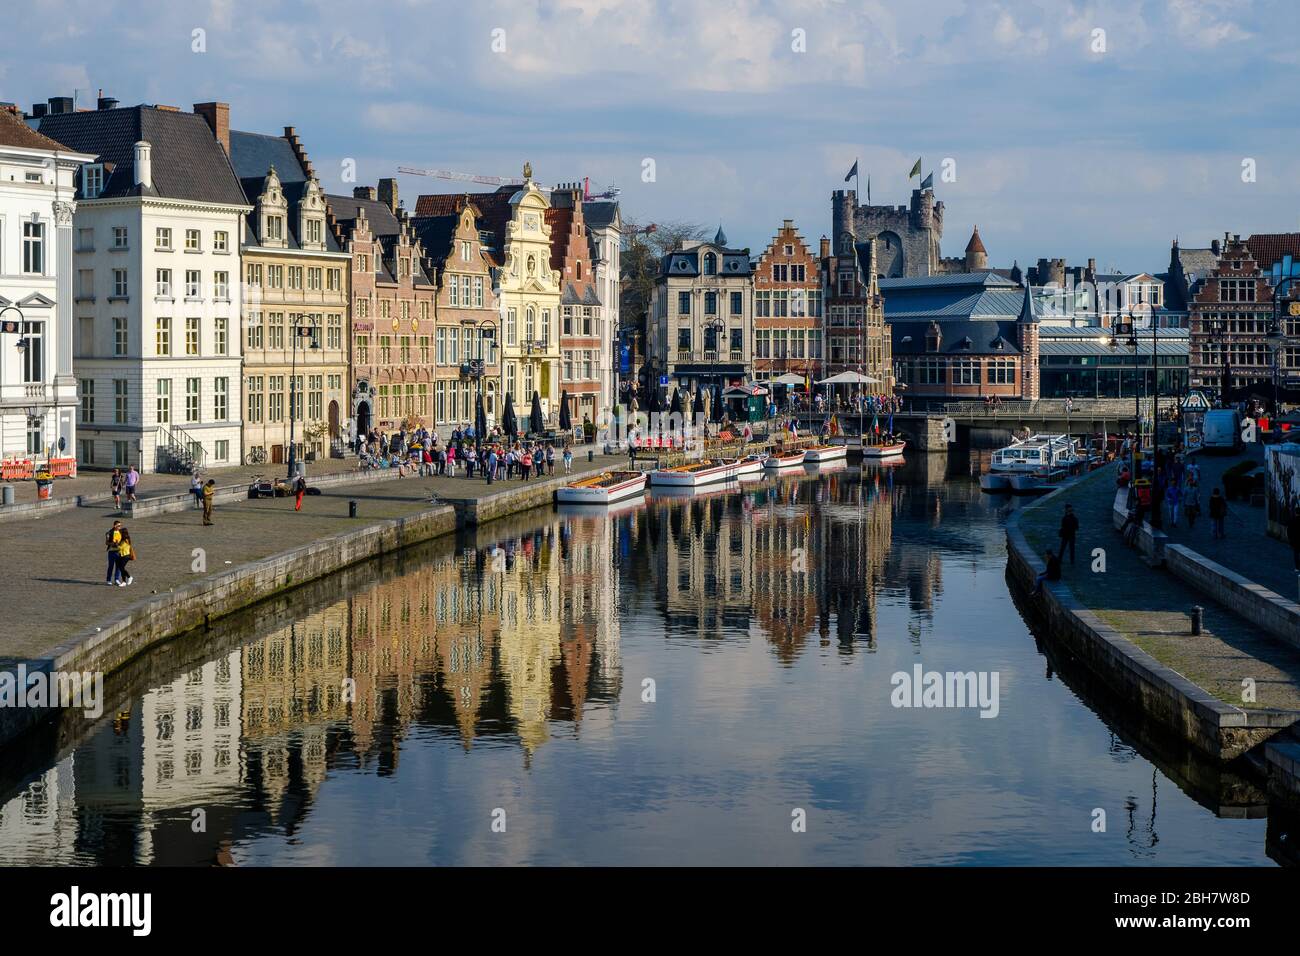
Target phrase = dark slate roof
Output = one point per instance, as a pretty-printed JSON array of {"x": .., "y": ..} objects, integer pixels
[
  {"x": 571, "y": 296},
  {"x": 186, "y": 160},
  {"x": 382, "y": 220},
  {"x": 973, "y": 337},
  {"x": 598, "y": 214},
  {"x": 1089, "y": 341},
  {"x": 984, "y": 279},
  {"x": 1027, "y": 314},
  {"x": 435, "y": 234},
  {"x": 15, "y": 132},
  {"x": 252, "y": 154},
  {"x": 686, "y": 262}
]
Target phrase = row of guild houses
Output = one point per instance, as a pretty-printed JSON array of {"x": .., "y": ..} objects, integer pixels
[{"x": 185, "y": 294}]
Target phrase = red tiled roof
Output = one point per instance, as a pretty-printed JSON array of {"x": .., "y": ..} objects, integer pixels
[
  {"x": 15, "y": 132},
  {"x": 1268, "y": 248}
]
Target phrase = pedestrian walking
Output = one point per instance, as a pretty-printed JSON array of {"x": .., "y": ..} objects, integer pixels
[
  {"x": 1293, "y": 537},
  {"x": 112, "y": 538},
  {"x": 209, "y": 492},
  {"x": 132, "y": 480},
  {"x": 1192, "y": 503},
  {"x": 116, "y": 483},
  {"x": 1218, "y": 511},
  {"x": 125, "y": 555},
  {"x": 1069, "y": 530},
  {"x": 300, "y": 489}
]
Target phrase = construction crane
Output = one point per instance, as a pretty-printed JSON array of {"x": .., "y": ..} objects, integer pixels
[
  {"x": 461, "y": 177},
  {"x": 613, "y": 192}
]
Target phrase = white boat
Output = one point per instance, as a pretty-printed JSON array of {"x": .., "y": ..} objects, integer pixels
[
  {"x": 602, "y": 489},
  {"x": 750, "y": 465},
  {"x": 1041, "y": 453},
  {"x": 696, "y": 474},
  {"x": 784, "y": 459},
  {"x": 996, "y": 482},
  {"x": 886, "y": 450},
  {"x": 819, "y": 453},
  {"x": 1036, "y": 482}
]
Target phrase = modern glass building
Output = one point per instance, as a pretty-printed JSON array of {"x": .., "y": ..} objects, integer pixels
[{"x": 1085, "y": 362}]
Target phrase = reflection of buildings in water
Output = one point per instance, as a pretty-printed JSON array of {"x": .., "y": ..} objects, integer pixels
[
  {"x": 39, "y": 825},
  {"x": 854, "y": 540},
  {"x": 705, "y": 565},
  {"x": 589, "y": 546},
  {"x": 292, "y": 690}
]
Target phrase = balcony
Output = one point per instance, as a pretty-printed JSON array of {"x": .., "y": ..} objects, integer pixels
[{"x": 683, "y": 355}]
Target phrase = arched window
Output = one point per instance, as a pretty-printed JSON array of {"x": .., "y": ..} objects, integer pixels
[
  {"x": 710, "y": 264},
  {"x": 578, "y": 271}
]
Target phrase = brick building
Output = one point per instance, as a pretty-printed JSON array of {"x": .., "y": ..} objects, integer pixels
[
  {"x": 468, "y": 326},
  {"x": 393, "y": 310},
  {"x": 1231, "y": 316},
  {"x": 856, "y": 336},
  {"x": 583, "y": 347},
  {"x": 787, "y": 309}
]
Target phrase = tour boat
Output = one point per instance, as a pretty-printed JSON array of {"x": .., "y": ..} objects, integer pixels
[
  {"x": 602, "y": 489},
  {"x": 784, "y": 459},
  {"x": 890, "y": 449},
  {"x": 750, "y": 465},
  {"x": 1036, "y": 482},
  {"x": 1044, "y": 453},
  {"x": 696, "y": 474},
  {"x": 820, "y": 453}
]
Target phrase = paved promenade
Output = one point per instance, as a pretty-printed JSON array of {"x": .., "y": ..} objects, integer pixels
[
  {"x": 1150, "y": 607},
  {"x": 55, "y": 566}
]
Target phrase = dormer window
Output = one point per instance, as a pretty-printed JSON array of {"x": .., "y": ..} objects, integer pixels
[
  {"x": 933, "y": 338},
  {"x": 92, "y": 180},
  {"x": 710, "y": 264},
  {"x": 275, "y": 227}
]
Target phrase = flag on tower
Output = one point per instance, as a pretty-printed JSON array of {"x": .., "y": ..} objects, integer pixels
[
  {"x": 928, "y": 182},
  {"x": 852, "y": 172},
  {"x": 916, "y": 168}
]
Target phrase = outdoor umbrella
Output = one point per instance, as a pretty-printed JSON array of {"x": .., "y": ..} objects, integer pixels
[
  {"x": 566, "y": 423},
  {"x": 675, "y": 408},
  {"x": 480, "y": 421},
  {"x": 715, "y": 405},
  {"x": 536, "y": 423},
  {"x": 508, "y": 420},
  {"x": 697, "y": 410}
]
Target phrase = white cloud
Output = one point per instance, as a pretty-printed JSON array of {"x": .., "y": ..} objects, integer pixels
[{"x": 1206, "y": 23}]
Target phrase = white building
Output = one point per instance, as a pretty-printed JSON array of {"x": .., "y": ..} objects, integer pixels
[
  {"x": 159, "y": 220},
  {"x": 38, "y": 393},
  {"x": 605, "y": 230}
]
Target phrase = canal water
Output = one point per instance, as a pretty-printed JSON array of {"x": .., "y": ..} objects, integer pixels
[{"x": 700, "y": 679}]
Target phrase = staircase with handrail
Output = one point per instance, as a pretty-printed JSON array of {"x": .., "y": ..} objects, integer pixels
[{"x": 174, "y": 452}]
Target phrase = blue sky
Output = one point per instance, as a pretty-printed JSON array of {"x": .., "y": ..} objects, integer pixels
[{"x": 1060, "y": 148}]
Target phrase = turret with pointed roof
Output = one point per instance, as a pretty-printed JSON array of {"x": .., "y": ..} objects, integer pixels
[{"x": 976, "y": 255}]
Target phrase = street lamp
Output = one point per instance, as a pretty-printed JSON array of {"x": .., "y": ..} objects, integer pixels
[
  {"x": 299, "y": 331},
  {"x": 717, "y": 326},
  {"x": 487, "y": 329}
]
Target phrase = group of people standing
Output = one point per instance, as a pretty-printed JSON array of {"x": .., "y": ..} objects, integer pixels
[
  {"x": 120, "y": 552},
  {"x": 1172, "y": 487}
]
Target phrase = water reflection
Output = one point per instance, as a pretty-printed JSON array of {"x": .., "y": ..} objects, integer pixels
[{"x": 286, "y": 734}]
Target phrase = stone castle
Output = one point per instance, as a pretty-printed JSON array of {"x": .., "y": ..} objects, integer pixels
[{"x": 907, "y": 237}]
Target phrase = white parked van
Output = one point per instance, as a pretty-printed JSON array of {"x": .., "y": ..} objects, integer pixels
[{"x": 1222, "y": 430}]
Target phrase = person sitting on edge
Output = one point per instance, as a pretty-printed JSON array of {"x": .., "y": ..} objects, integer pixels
[{"x": 1052, "y": 573}]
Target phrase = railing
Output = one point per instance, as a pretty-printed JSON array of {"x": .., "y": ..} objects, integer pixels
[
  {"x": 177, "y": 452},
  {"x": 1024, "y": 408}
]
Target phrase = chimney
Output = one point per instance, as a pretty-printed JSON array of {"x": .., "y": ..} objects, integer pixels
[
  {"x": 106, "y": 103},
  {"x": 364, "y": 192},
  {"x": 217, "y": 116},
  {"x": 1214, "y": 247},
  {"x": 60, "y": 104},
  {"x": 826, "y": 248},
  {"x": 143, "y": 165},
  {"x": 388, "y": 194}
]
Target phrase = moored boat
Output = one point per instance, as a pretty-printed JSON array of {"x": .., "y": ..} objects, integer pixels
[
  {"x": 884, "y": 450},
  {"x": 819, "y": 453},
  {"x": 784, "y": 459},
  {"x": 1038, "y": 453},
  {"x": 695, "y": 474},
  {"x": 750, "y": 465},
  {"x": 996, "y": 482},
  {"x": 602, "y": 489}
]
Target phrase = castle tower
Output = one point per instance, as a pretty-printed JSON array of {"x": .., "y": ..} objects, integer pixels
[{"x": 977, "y": 257}]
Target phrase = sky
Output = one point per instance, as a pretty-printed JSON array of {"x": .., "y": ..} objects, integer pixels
[{"x": 1065, "y": 129}]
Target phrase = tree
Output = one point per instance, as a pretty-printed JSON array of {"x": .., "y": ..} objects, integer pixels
[{"x": 643, "y": 248}]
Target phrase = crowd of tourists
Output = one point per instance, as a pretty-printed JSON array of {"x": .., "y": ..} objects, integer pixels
[{"x": 497, "y": 457}]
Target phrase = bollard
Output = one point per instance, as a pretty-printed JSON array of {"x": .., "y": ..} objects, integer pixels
[
  {"x": 1197, "y": 611},
  {"x": 352, "y": 509},
  {"x": 591, "y": 455},
  {"x": 6, "y": 495}
]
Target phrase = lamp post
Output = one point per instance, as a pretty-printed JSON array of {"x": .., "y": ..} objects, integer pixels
[
  {"x": 484, "y": 326},
  {"x": 718, "y": 327},
  {"x": 299, "y": 331}
]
